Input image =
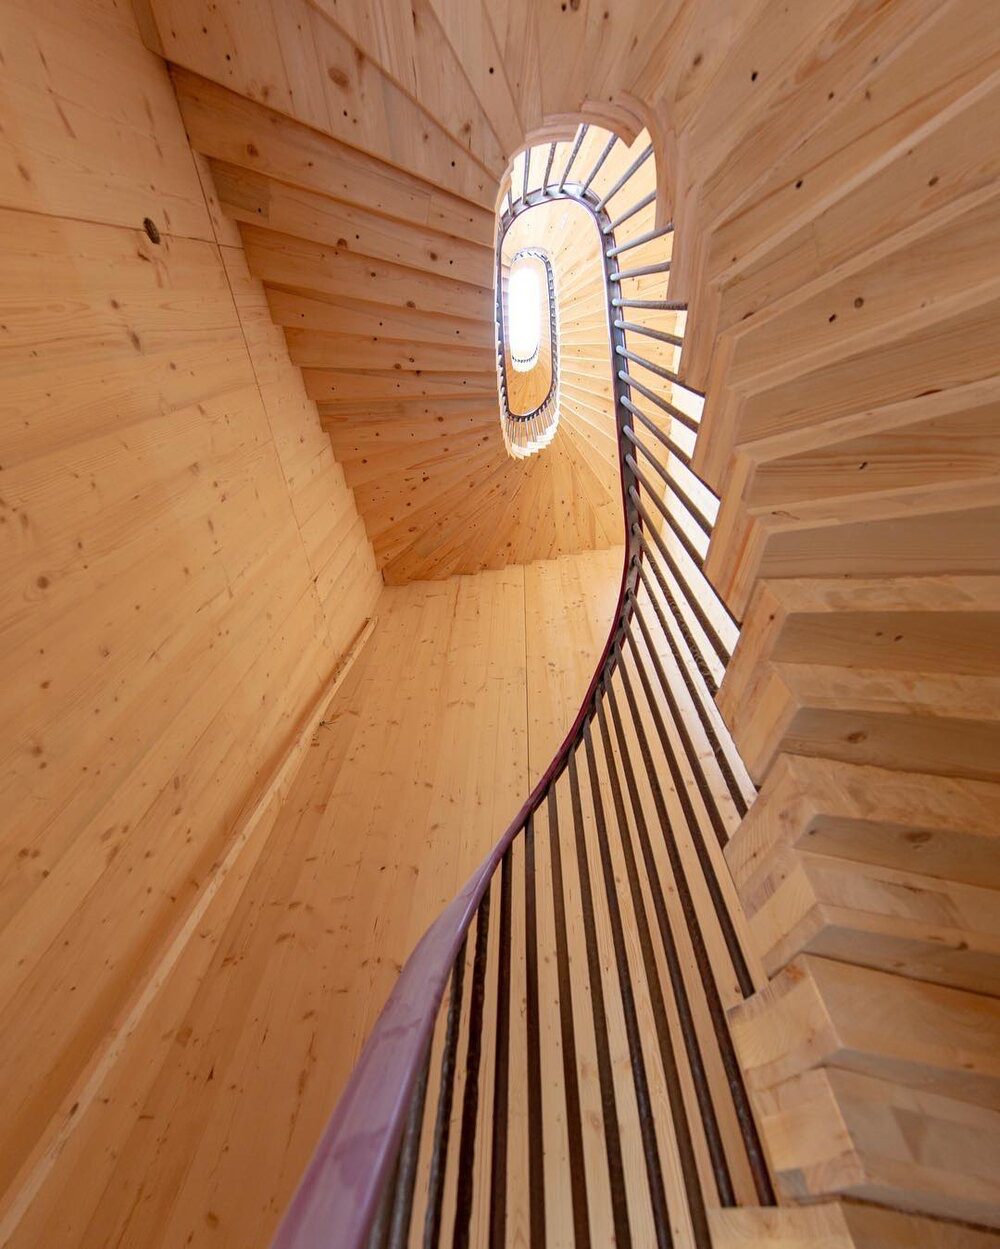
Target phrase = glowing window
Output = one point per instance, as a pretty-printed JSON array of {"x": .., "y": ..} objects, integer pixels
[{"x": 524, "y": 314}]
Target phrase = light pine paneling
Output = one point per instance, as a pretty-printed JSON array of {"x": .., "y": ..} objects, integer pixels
[{"x": 183, "y": 563}]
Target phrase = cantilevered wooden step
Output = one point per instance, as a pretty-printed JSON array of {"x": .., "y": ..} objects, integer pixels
[
  {"x": 851, "y": 497},
  {"x": 834, "y": 1132},
  {"x": 840, "y": 1225},
  {"x": 900, "y": 672},
  {"x": 820, "y": 1012},
  {"x": 893, "y": 870}
]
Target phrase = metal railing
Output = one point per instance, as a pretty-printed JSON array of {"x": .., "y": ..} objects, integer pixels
[{"x": 555, "y": 1054}]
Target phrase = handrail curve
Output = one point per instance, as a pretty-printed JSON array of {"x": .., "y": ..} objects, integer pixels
[{"x": 358, "y": 1189}]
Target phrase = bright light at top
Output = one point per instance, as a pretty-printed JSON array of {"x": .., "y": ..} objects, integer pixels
[{"x": 524, "y": 315}]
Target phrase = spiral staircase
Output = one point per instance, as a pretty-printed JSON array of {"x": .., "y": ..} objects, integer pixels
[{"x": 727, "y": 974}]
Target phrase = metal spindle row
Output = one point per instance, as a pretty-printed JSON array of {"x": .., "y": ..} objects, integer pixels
[{"x": 579, "y": 1079}]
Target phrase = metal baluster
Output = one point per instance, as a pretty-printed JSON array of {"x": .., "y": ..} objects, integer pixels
[
  {"x": 664, "y": 405},
  {"x": 638, "y": 241},
  {"x": 647, "y": 331},
  {"x": 657, "y": 432},
  {"x": 409, "y": 1154},
  {"x": 630, "y": 213},
  {"x": 605, "y": 1075},
  {"x": 446, "y": 1095},
  {"x": 600, "y": 162},
  {"x": 644, "y": 271},
  {"x": 574, "y": 1114},
  {"x": 647, "y": 1124},
  {"x": 682, "y": 1004},
  {"x": 734, "y": 1075},
  {"x": 532, "y": 1014},
  {"x": 470, "y": 1094},
  {"x": 660, "y": 371},
  {"x": 636, "y": 165},
  {"x": 580, "y": 134}
]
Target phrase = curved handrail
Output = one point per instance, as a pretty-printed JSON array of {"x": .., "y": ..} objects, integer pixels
[
  {"x": 339, "y": 1197},
  {"x": 342, "y": 1184}
]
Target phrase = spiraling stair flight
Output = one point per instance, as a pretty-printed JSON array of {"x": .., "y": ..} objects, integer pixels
[{"x": 730, "y": 975}]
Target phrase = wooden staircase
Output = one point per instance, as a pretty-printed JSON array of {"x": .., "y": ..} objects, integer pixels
[
  {"x": 832, "y": 171},
  {"x": 831, "y": 174}
]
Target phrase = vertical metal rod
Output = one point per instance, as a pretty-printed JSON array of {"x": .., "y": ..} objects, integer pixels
[
  {"x": 726, "y": 925},
  {"x": 647, "y": 1124},
  {"x": 527, "y": 166},
  {"x": 696, "y": 652},
  {"x": 446, "y": 1095},
  {"x": 686, "y": 588},
  {"x": 636, "y": 165},
  {"x": 661, "y": 336},
  {"x": 536, "y": 1142},
  {"x": 470, "y": 1094},
  {"x": 638, "y": 207},
  {"x": 735, "y": 792},
  {"x": 682, "y": 418},
  {"x": 605, "y": 1075},
  {"x": 409, "y": 1154},
  {"x": 600, "y": 161},
  {"x": 668, "y": 375},
  {"x": 673, "y": 447},
  {"x": 649, "y": 236},
  {"x": 692, "y": 552},
  {"x": 572, "y": 156},
  {"x": 501, "y": 1066},
  {"x": 548, "y": 168},
  {"x": 378, "y": 1235},
  {"x": 671, "y": 482},
  {"x": 574, "y": 1116},
  {"x": 690, "y": 750},
  {"x": 734, "y": 1075}
]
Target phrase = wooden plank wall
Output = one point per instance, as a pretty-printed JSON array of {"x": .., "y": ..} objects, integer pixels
[
  {"x": 200, "y": 1133},
  {"x": 183, "y": 563}
]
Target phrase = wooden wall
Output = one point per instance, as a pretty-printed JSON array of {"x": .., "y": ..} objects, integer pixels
[
  {"x": 199, "y": 1133},
  {"x": 183, "y": 564}
]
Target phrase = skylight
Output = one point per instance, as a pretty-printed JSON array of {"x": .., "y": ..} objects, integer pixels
[{"x": 524, "y": 315}]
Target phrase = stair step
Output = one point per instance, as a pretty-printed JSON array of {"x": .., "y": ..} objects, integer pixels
[
  {"x": 943, "y": 827},
  {"x": 830, "y": 1132},
  {"x": 250, "y": 196},
  {"x": 839, "y": 1225},
  {"x": 821, "y": 1013},
  {"x": 881, "y": 654},
  {"x": 872, "y": 716},
  {"x": 934, "y": 930}
]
